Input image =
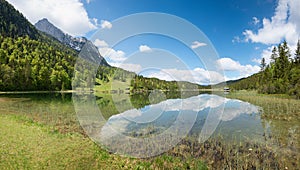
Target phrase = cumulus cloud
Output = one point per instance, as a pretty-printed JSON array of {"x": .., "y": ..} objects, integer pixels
[
  {"x": 110, "y": 54},
  {"x": 128, "y": 66},
  {"x": 227, "y": 64},
  {"x": 197, "y": 44},
  {"x": 255, "y": 20},
  {"x": 237, "y": 39},
  {"x": 100, "y": 43},
  {"x": 144, "y": 48},
  {"x": 266, "y": 54},
  {"x": 285, "y": 24},
  {"x": 68, "y": 15},
  {"x": 197, "y": 75},
  {"x": 106, "y": 24}
]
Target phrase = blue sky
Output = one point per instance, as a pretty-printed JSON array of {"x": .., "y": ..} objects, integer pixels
[
  {"x": 220, "y": 20},
  {"x": 242, "y": 31}
]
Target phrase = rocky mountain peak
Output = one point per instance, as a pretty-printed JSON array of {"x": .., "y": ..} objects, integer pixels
[
  {"x": 47, "y": 27},
  {"x": 76, "y": 43}
]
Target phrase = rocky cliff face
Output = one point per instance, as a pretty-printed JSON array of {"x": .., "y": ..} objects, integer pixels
[{"x": 76, "y": 43}]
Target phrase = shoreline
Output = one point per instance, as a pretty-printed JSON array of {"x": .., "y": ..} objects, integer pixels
[
  {"x": 35, "y": 92},
  {"x": 101, "y": 91}
]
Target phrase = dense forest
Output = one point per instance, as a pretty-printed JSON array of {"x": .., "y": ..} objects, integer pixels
[
  {"x": 29, "y": 59},
  {"x": 13, "y": 23},
  {"x": 28, "y": 64},
  {"x": 140, "y": 83},
  {"x": 280, "y": 76}
]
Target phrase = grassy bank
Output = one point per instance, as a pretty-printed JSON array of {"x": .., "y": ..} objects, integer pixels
[{"x": 25, "y": 144}]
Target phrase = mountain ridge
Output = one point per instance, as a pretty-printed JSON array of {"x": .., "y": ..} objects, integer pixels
[
  {"x": 47, "y": 27},
  {"x": 76, "y": 43}
]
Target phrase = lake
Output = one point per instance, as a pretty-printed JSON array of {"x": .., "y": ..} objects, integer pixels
[{"x": 146, "y": 125}]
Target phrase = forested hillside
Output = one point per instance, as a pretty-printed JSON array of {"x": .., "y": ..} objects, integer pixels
[
  {"x": 28, "y": 64},
  {"x": 280, "y": 76},
  {"x": 30, "y": 60},
  {"x": 13, "y": 24}
]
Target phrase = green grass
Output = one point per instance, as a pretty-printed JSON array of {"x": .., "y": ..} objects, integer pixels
[
  {"x": 273, "y": 106},
  {"x": 112, "y": 85},
  {"x": 25, "y": 144}
]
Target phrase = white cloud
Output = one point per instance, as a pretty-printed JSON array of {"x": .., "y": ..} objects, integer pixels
[
  {"x": 112, "y": 55},
  {"x": 144, "y": 48},
  {"x": 100, "y": 43},
  {"x": 68, "y": 15},
  {"x": 236, "y": 39},
  {"x": 285, "y": 24},
  {"x": 95, "y": 21},
  {"x": 228, "y": 64},
  {"x": 197, "y": 44},
  {"x": 266, "y": 53},
  {"x": 128, "y": 66},
  {"x": 244, "y": 70},
  {"x": 88, "y": 1},
  {"x": 255, "y": 21},
  {"x": 198, "y": 75},
  {"x": 106, "y": 24}
]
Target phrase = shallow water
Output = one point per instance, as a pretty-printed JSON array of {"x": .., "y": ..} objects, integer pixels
[{"x": 202, "y": 117}]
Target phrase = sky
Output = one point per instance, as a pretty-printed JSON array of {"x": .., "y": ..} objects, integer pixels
[{"x": 241, "y": 31}]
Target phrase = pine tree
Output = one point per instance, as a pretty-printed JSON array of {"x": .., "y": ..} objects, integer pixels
[
  {"x": 263, "y": 64},
  {"x": 274, "y": 55},
  {"x": 297, "y": 53}
]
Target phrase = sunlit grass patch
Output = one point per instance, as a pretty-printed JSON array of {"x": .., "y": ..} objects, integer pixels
[{"x": 25, "y": 144}]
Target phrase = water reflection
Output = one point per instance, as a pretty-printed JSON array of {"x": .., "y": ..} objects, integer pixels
[
  {"x": 152, "y": 114},
  {"x": 202, "y": 116}
]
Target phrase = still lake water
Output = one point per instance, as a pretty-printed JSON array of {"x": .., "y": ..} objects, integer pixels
[
  {"x": 232, "y": 119},
  {"x": 125, "y": 117}
]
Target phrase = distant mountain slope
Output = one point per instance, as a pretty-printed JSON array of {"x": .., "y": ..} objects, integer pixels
[
  {"x": 227, "y": 83},
  {"x": 77, "y": 43},
  {"x": 45, "y": 26},
  {"x": 13, "y": 23}
]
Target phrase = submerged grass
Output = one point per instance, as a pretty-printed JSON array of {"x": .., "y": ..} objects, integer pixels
[
  {"x": 249, "y": 155},
  {"x": 274, "y": 107}
]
